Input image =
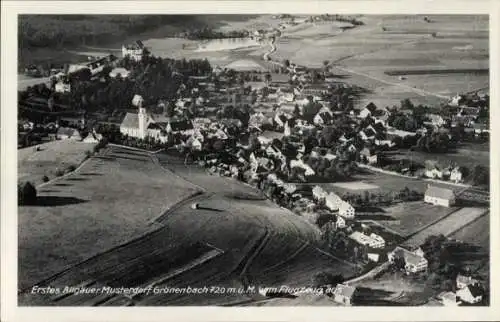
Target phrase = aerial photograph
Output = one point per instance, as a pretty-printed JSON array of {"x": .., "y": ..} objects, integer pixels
[{"x": 253, "y": 160}]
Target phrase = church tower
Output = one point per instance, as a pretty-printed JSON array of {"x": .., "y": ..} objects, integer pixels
[{"x": 143, "y": 120}]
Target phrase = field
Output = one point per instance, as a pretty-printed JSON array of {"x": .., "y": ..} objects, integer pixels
[
  {"x": 467, "y": 157},
  {"x": 409, "y": 217},
  {"x": 358, "y": 185},
  {"x": 477, "y": 233},
  {"x": 239, "y": 239},
  {"x": 33, "y": 165},
  {"x": 447, "y": 226},
  {"x": 109, "y": 200},
  {"x": 363, "y": 54}
]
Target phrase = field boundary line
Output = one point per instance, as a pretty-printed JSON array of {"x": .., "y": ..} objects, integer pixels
[
  {"x": 304, "y": 245},
  {"x": 41, "y": 185},
  {"x": 134, "y": 148},
  {"x": 486, "y": 211}
]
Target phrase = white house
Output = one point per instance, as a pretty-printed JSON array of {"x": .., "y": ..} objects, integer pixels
[
  {"x": 413, "y": 263},
  {"x": 340, "y": 223},
  {"x": 456, "y": 175},
  {"x": 449, "y": 299},
  {"x": 439, "y": 196},
  {"x": 62, "y": 87},
  {"x": 66, "y": 133},
  {"x": 471, "y": 294},
  {"x": 92, "y": 137},
  {"x": 300, "y": 164},
  {"x": 346, "y": 210},
  {"x": 364, "y": 113},
  {"x": 344, "y": 294},
  {"x": 374, "y": 257},
  {"x": 332, "y": 201},
  {"x": 372, "y": 241},
  {"x": 319, "y": 193},
  {"x": 434, "y": 173},
  {"x": 464, "y": 281},
  {"x": 134, "y": 51}
]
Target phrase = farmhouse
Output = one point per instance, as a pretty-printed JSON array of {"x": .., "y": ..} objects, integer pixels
[
  {"x": 373, "y": 240},
  {"x": 439, "y": 196},
  {"x": 464, "y": 281},
  {"x": 456, "y": 174},
  {"x": 65, "y": 133},
  {"x": 332, "y": 201},
  {"x": 346, "y": 210},
  {"x": 62, "y": 87},
  {"x": 370, "y": 157},
  {"x": 340, "y": 223},
  {"x": 135, "y": 50},
  {"x": 449, "y": 299},
  {"x": 344, "y": 294},
  {"x": 92, "y": 137},
  {"x": 413, "y": 263},
  {"x": 471, "y": 294}
]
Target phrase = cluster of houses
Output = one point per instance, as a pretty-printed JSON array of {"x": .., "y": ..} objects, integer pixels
[{"x": 468, "y": 291}]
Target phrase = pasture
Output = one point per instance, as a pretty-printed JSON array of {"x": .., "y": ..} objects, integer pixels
[
  {"x": 409, "y": 217},
  {"x": 239, "y": 238},
  {"x": 448, "y": 225},
  {"x": 53, "y": 156},
  {"x": 109, "y": 200}
]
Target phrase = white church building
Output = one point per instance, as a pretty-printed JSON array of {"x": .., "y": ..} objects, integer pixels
[{"x": 141, "y": 125}]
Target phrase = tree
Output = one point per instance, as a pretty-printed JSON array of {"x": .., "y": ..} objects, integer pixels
[
  {"x": 45, "y": 179},
  {"x": 26, "y": 193},
  {"x": 480, "y": 175},
  {"x": 326, "y": 278},
  {"x": 406, "y": 104},
  {"x": 268, "y": 78}
]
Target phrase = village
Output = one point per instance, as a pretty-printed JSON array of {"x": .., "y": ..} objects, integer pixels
[{"x": 293, "y": 132}]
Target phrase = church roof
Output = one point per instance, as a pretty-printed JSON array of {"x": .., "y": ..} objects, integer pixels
[{"x": 131, "y": 120}]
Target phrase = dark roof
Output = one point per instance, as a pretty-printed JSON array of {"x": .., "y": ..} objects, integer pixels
[
  {"x": 371, "y": 107},
  {"x": 154, "y": 126},
  {"x": 181, "y": 125},
  {"x": 438, "y": 192},
  {"x": 475, "y": 290},
  {"x": 369, "y": 132}
]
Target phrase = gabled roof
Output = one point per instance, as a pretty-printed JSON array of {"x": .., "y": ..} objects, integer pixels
[
  {"x": 475, "y": 290},
  {"x": 181, "y": 125},
  {"x": 409, "y": 257},
  {"x": 67, "y": 131},
  {"x": 371, "y": 107},
  {"x": 131, "y": 120},
  {"x": 344, "y": 290},
  {"x": 442, "y": 193}
]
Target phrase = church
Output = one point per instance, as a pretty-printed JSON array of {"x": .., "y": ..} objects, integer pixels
[{"x": 144, "y": 124}]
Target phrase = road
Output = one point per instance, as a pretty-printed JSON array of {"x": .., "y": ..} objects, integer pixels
[{"x": 23, "y": 83}]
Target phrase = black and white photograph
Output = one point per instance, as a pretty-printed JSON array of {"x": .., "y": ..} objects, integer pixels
[{"x": 253, "y": 160}]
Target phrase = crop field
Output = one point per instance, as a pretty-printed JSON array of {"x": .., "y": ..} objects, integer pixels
[
  {"x": 109, "y": 200},
  {"x": 33, "y": 165},
  {"x": 357, "y": 185},
  {"x": 477, "y": 233},
  {"x": 409, "y": 217},
  {"x": 447, "y": 226},
  {"x": 385, "y": 43}
]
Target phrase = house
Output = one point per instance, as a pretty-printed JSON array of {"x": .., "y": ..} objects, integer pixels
[
  {"x": 323, "y": 117},
  {"x": 434, "y": 173},
  {"x": 435, "y": 120},
  {"x": 464, "y": 281},
  {"x": 92, "y": 137},
  {"x": 346, "y": 210},
  {"x": 449, "y": 299},
  {"x": 280, "y": 120},
  {"x": 319, "y": 193},
  {"x": 364, "y": 113},
  {"x": 194, "y": 143},
  {"x": 134, "y": 51},
  {"x": 119, "y": 71},
  {"x": 413, "y": 263},
  {"x": 471, "y": 294},
  {"x": 332, "y": 201},
  {"x": 180, "y": 126},
  {"x": 374, "y": 257},
  {"x": 456, "y": 174},
  {"x": 372, "y": 241},
  {"x": 480, "y": 128},
  {"x": 67, "y": 133},
  {"x": 300, "y": 164},
  {"x": 344, "y": 294},
  {"x": 62, "y": 87},
  {"x": 340, "y": 223},
  {"x": 370, "y": 157},
  {"x": 439, "y": 196}
]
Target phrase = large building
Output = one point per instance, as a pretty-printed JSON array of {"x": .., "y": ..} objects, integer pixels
[
  {"x": 414, "y": 262},
  {"x": 134, "y": 51},
  {"x": 439, "y": 196}
]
